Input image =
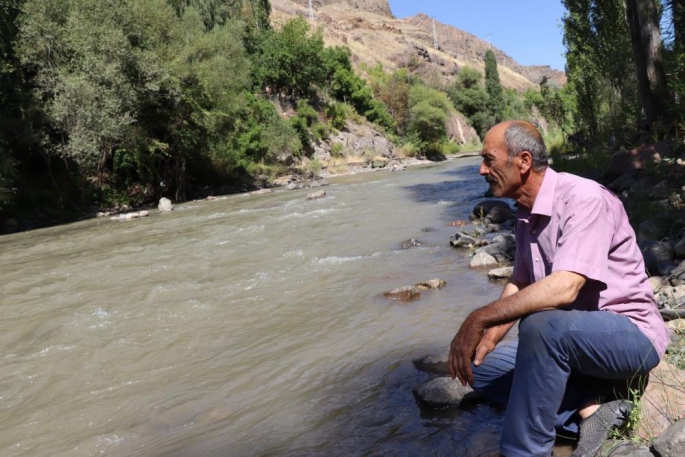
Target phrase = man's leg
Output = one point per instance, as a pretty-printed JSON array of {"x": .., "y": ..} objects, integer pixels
[
  {"x": 551, "y": 345},
  {"x": 494, "y": 377}
]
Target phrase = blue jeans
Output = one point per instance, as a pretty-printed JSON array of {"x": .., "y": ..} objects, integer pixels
[{"x": 562, "y": 360}]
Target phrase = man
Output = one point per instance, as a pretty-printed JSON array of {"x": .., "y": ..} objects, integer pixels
[{"x": 587, "y": 313}]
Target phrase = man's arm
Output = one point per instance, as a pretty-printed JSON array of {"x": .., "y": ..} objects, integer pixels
[{"x": 554, "y": 291}]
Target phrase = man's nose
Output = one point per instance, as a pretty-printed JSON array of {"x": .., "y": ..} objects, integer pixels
[{"x": 483, "y": 169}]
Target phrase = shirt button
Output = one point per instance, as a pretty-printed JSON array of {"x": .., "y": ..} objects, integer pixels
[
  {"x": 534, "y": 232},
  {"x": 537, "y": 259}
]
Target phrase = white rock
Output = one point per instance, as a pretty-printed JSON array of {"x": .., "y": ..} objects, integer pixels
[
  {"x": 501, "y": 273},
  {"x": 144, "y": 213},
  {"x": 165, "y": 205}
]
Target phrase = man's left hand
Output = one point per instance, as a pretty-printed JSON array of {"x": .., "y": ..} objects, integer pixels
[{"x": 463, "y": 348}]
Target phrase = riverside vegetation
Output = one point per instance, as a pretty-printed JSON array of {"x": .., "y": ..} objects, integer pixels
[{"x": 110, "y": 105}]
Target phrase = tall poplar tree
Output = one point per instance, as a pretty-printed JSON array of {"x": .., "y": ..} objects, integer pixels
[{"x": 493, "y": 87}]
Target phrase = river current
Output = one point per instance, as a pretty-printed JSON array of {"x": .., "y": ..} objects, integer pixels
[{"x": 248, "y": 325}]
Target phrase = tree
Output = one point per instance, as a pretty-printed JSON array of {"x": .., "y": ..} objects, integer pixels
[
  {"x": 493, "y": 87},
  {"x": 470, "y": 98},
  {"x": 645, "y": 34}
]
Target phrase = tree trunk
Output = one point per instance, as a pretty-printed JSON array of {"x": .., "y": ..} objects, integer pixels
[{"x": 643, "y": 20}]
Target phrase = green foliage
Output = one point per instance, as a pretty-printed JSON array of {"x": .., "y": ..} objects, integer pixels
[
  {"x": 471, "y": 99},
  {"x": 291, "y": 60},
  {"x": 600, "y": 66},
  {"x": 557, "y": 105},
  {"x": 493, "y": 87},
  {"x": 337, "y": 114},
  {"x": 428, "y": 113}
]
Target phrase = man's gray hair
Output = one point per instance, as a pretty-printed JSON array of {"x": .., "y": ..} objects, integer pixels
[{"x": 521, "y": 137}]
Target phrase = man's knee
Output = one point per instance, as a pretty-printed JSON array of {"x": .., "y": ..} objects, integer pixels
[{"x": 547, "y": 326}]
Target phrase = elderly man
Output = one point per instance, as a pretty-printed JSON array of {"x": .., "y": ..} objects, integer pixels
[{"x": 587, "y": 313}]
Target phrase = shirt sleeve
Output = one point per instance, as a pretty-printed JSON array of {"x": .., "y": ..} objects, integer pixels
[{"x": 585, "y": 238}]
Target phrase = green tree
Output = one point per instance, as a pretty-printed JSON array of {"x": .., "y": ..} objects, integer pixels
[
  {"x": 290, "y": 60},
  {"x": 470, "y": 98},
  {"x": 493, "y": 87}
]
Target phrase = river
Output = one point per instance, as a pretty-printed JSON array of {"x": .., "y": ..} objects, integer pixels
[{"x": 249, "y": 325}]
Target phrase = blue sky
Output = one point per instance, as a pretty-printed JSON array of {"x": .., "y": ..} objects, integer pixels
[{"x": 527, "y": 30}]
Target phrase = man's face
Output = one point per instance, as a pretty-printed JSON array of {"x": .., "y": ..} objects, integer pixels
[{"x": 501, "y": 173}]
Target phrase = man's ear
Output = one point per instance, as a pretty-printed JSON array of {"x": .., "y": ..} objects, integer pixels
[{"x": 525, "y": 161}]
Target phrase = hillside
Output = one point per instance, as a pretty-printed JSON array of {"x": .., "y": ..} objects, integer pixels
[{"x": 374, "y": 35}]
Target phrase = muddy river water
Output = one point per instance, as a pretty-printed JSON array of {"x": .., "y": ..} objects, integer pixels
[{"x": 241, "y": 326}]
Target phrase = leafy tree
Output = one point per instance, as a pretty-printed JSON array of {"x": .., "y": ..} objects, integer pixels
[
  {"x": 428, "y": 113},
  {"x": 471, "y": 99},
  {"x": 290, "y": 60},
  {"x": 493, "y": 87}
]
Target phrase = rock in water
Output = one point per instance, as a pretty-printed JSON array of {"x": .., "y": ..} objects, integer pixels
[
  {"x": 315, "y": 195},
  {"x": 431, "y": 284},
  {"x": 404, "y": 294},
  {"x": 434, "y": 363},
  {"x": 501, "y": 273},
  {"x": 483, "y": 259},
  {"x": 442, "y": 392},
  {"x": 165, "y": 205}
]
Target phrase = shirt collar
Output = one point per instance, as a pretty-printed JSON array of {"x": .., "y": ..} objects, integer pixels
[{"x": 545, "y": 197}]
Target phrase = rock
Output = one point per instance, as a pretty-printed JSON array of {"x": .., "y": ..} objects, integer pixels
[
  {"x": 165, "y": 205},
  {"x": 663, "y": 402},
  {"x": 294, "y": 186},
  {"x": 410, "y": 243},
  {"x": 501, "y": 273},
  {"x": 623, "y": 182},
  {"x": 432, "y": 284},
  {"x": 483, "y": 259},
  {"x": 403, "y": 294},
  {"x": 679, "y": 249},
  {"x": 652, "y": 230},
  {"x": 144, "y": 213},
  {"x": 283, "y": 180},
  {"x": 398, "y": 167},
  {"x": 677, "y": 325},
  {"x": 628, "y": 161},
  {"x": 624, "y": 448},
  {"x": 671, "y": 297},
  {"x": 442, "y": 392},
  {"x": 655, "y": 252},
  {"x": 660, "y": 191},
  {"x": 463, "y": 241},
  {"x": 316, "y": 195},
  {"x": 672, "y": 442},
  {"x": 434, "y": 363},
  {"x": 482, "y": 209},
  {"x": 261, "y": 192},
  {"x": 655, "y": 282},
  {"x": 666, "y": 267},
  {"x": 500, "y": 214}
]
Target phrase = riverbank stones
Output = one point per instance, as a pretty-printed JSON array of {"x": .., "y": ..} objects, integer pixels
[{"x": 441, "y": 393}]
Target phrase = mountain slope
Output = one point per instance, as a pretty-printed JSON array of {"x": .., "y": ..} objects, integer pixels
[{"x": 375, "y": 36}]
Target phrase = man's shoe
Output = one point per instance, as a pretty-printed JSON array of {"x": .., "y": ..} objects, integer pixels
[{"x": 595, "y": 428}]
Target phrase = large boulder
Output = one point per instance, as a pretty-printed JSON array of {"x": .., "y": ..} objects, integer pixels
[
  {"x": 637, "y": 159},
  {"x": 663, "y": 401},
  {"x": 655, "y": 252},
  {"x": 459, "y": 130},
  {"x": 672, "y": 442},
  {"x": 434, "y": 363}
]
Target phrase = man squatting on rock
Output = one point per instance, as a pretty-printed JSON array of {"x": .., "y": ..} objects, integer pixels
[{"x": 587, "y": 314}]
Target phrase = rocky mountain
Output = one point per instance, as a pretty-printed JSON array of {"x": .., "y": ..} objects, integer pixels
[{"x": 374, "y": 36}]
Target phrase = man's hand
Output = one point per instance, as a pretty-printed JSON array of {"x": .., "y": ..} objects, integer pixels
[{"x": 463, "y": 348}]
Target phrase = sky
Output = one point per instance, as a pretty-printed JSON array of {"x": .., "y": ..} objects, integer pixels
[{"x": 528, "y": 30}]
